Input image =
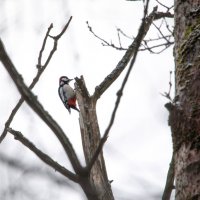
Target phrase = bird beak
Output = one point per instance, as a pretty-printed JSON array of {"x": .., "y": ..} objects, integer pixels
[{"x": 70, "y": 80}]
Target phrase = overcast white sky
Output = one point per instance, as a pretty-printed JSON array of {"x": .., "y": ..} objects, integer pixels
[{"x": 138, "y": 150}]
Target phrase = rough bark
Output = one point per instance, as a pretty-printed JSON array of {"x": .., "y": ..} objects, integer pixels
[
  {"x": 185, "y": 113},
  {"x": 95, "y": 183}
]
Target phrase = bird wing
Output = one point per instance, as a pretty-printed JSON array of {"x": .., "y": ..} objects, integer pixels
[
  {"x": 61, "y": 94},
  {"x": 68, "y": 92},
  {"x": 63, "y": 98}
]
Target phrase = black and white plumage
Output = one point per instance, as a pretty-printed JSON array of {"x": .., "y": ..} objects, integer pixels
[{"x": 67, "y": 94}]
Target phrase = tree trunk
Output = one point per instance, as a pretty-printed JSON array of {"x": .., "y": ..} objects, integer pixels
[
  {"x": 95, "y": 184},
  {"x": 185, "y": 112}
]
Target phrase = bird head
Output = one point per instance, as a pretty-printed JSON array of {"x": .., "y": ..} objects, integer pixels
[{"x": 64, "y": 80}]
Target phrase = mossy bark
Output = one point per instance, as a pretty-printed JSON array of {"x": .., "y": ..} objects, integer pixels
[{"x": 185, "y": 114}]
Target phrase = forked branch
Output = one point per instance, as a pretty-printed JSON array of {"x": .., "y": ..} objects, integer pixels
[
  {"x": 40, "y": 70},
  {"x": 147, "y": 44},
  {"x": 144, "y": 27},
  {"x": 38, "y": 108},
  {"x": 133, "y": 49},
  {"x": 35, "y": 80}
]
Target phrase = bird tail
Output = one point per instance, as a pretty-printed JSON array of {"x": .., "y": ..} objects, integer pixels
[
  {"x": 75, "y": 108},
  {"x": 72, "y": 104}
]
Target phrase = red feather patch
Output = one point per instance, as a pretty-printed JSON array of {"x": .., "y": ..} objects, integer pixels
[{"x": 72, "y": 102}]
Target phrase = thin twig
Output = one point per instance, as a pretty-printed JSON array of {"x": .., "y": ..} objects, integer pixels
[
  {"x": 44, "y": 157},
  {"x": 167, "y": 26},
  {"x": 119, "y": 39},
  {"x": 168, "y": 8},
  {"x": 43, "y": 47},
  {"x": 168, "y": 94},
  {"x": 104, "y": 42},
  {"x": 157, "y": 38},
  {"x": 57, "y": 37},
  {"x": 150, "y": 49},
  {"x": 157, "y": 15},
  {"x": 158, "y": 28},
  {"x": 124, "y": 34}
]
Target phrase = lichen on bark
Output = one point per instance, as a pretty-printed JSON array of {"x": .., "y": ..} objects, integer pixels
[{"x": 185, "y": 116}]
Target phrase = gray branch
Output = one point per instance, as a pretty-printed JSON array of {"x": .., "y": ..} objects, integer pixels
[
  {"x": 44, "y": 157},
  {"x": 41, "y": 69},
  {"x": 144, "y": 27},
  {"x": 133, "y": 49}
]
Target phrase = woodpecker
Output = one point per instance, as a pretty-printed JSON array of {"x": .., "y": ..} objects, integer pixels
[{"x": 67, "y": 94}]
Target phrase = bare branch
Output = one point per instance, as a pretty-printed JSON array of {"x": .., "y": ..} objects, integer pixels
[
  {"x": 168, "y": 28},
  {"x": 158, "y": 28},
  {"x": 35, "y": 80},
  {"x": 105, "y": 136},
  {"x": 44, "y": 157},
  {"x": 119, "y": 39},
  {"x": 63, "y": 31},
  {"x": 168, "y": 8},
  {"x": 43, "y": 47},
  {"x": 168, "y": 94},
  {"x": 144, "y": 27},
  {"x": 160, "y": 15},
  {"x": 124, "y": 34},
  {"x": 41, "y": 69},
  {"x": 150, "y": 48},
  {"x": 144, "y": 43},
  {"x": 169, "y": 186},
  {"x": 162, "y": 45},
  {"x": 133, "y": 49},
  {"x": 37, "y": 107},
  {"x": 104, "y": 42}
]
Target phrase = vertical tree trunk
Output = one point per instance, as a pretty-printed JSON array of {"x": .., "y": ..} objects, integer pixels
[
  {"x": 185, "y": 113},
  {"x": 95, "y": 184}
]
